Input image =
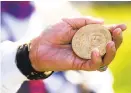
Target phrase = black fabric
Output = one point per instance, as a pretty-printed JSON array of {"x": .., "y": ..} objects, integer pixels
[
  {"x": 24, "y": 64},
  {"x": 24, "y": 87}
]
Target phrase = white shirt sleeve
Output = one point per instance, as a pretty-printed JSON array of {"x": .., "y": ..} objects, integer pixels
[
  {"x": 100, "y": 82},
  {"x": 11, "y": 77}
]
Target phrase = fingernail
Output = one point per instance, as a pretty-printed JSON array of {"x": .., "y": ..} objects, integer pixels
[
  {"x": 112, "y": 45},
  {"x": 123, "y": 26},
  {"x": 119, "y": 33},
  {"x": 96, "y": 52},
  {"x": 118, "y": 30}
]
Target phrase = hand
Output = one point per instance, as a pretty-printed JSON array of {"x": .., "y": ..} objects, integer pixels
[
  {"x": 116, "y": 31},
  {"x": 52, "y": 51}
]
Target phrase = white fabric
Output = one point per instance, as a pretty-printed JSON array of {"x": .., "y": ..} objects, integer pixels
[
  {"x": 101, "y": 82},
  {"x": 11, "y": 77}
]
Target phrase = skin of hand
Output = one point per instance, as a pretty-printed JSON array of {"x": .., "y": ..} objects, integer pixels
[{"x": 52, "y": 51}]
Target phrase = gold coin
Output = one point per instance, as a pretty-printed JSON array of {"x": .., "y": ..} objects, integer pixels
[{"x": 89, "y": 37}]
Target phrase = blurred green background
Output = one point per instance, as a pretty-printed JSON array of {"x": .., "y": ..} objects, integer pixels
[{"x": 112, "y": 13}]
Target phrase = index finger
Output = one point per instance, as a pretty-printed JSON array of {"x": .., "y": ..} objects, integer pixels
[
  {"x": 77, "y": 23},
  {"x": 115, "y": 26}
]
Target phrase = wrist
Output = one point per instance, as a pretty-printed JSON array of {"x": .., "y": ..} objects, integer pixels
[
  {"x": 34, "y": 52},
  {"x": 24, "y": 64},
  {"x": 33, "y": 48}
]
